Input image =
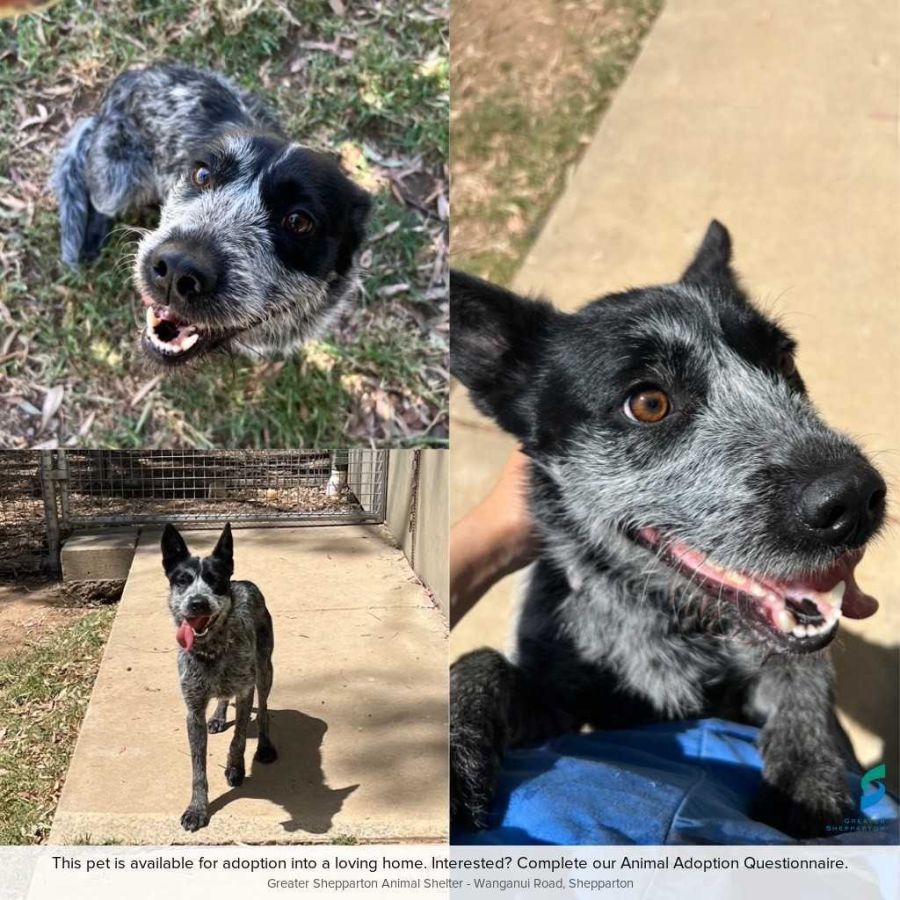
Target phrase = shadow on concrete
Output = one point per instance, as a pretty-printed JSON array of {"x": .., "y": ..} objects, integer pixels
[
  {"x": 868, "y": 691},
  {"x": 295, "y": 781}
]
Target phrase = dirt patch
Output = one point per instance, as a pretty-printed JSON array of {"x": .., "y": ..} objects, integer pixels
[{"x": 31, "y": 613}]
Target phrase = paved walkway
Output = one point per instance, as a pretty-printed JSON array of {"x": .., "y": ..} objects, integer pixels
[
  {"x": 780, "y": 119},
  {"x": 358, "y": 707}
]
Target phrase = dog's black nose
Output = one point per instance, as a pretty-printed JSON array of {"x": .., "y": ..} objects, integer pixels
[
  {"x": 844, "y": 505},
  {"x": 184, "y": 274},
  {"x": 197, "y": 606}
]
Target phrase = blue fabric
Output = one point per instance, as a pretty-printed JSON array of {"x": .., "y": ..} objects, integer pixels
[{"x": 672, "y": 783}]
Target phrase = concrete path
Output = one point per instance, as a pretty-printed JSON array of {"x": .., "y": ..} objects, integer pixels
[
  {"x": 780, "y": 119},
  {"x": 358, "y": 707}
]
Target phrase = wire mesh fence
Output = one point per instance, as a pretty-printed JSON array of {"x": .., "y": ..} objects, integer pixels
[
  {"x": 23, "y": 543},
  {"x": 45, "y": 496},
  {"x": 102, "y": 487}
]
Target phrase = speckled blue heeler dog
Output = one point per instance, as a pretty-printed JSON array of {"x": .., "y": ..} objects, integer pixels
[
  {"x": 226, "y": 639},
  {"x": 700, "y": 526},
  {"x": 257, "y": 240}
]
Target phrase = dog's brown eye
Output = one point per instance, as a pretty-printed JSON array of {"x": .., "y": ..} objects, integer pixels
[
  {"x": 647, "y": 405},
  {"x": 298, "y": 222},
  {"x": 786, "y": 364},
  {"x": 201, "y": 176}
]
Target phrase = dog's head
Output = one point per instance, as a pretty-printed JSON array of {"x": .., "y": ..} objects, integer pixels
[
  {"x": 199, "y": 589},
  {"x": 255, "y": 248},
  {"x": 670, "y": 426}
]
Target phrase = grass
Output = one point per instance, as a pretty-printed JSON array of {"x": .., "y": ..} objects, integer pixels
[
  {"x": 371, "y": 86},
  {"x": 527, "y": 96},
  {"x": 44, "y": 692}
]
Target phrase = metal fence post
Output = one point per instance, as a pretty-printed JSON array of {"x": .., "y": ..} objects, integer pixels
[
  {"x": 48, "y": 489},
  {"x": 383, "y": 470},
  {"x": 61, "y": 476}
]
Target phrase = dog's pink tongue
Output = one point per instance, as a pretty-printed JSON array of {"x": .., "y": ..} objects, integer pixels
[{"x": 185, "y": 635}]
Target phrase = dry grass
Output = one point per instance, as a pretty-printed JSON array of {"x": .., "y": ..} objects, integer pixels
[
  {"x": 44, "y": 691},
  {"x": 531, "y": 79},
  {"x": 366, "y": 80}
]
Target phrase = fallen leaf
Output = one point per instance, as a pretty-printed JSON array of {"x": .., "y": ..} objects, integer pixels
[
  {"x": 145, "y": 389},
  {"x": 391, "y": 290},
  {"x": 52, "y": 401}
]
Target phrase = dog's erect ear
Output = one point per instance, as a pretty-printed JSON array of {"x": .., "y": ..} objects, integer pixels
[
  {"x": 224, "y": 551},
  {"x": 174, "y": 549},
  {"x": 497, "y": 341},
  {"x": 360, "y": 206},
  {"x": 712, "y": 262}
]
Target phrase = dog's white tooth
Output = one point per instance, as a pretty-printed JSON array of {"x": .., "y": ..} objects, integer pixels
[
  {"x": 785, "y": 621},
  {"x": 151, "y": 318},
  {"x": 757, "y": 590},
  {"x": 189, "y": 342},
  {"x": 161, "y": 345},
  {"x": 835, "y": 596},
  {"x": 800, "y": 631}
]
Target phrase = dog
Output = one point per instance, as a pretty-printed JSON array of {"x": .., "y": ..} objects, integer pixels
[
  {"x": 255, "y": 251},
  {"x": 699, "y": 527},
  {"x": 226, "y": 640}
]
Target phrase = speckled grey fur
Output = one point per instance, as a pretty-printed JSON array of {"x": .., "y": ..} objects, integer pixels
[
  {"x": 608, "y": 635},
  {"x": 230, "y": 660},
  {"x": 154, "y": 125}
]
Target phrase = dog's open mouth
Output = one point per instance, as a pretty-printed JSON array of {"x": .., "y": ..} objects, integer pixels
[
  {"x": 169, "y": 337},
  {"x": 192, "y": 628},
  {"x": 801, "y": 613}
]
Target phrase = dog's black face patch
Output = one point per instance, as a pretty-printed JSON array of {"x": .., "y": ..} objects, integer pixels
[
  {"x": 729, "y": 459},
  {"x": 301, "y": 182}
]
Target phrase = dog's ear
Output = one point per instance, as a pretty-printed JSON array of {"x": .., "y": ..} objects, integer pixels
[
  {"x": 224, "y": 551},
  {"x": 497, "y": 342},
  {"x": 360, "y": 206},
  {"x": 174, "y": 549},
  {"x": 712, "y": 262}
]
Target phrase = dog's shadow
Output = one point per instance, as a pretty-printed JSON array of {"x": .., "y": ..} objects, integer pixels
[{"x": 295, "y": 781}]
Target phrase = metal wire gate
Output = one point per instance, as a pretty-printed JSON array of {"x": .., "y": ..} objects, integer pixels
[{"x": 100, "y": 488}]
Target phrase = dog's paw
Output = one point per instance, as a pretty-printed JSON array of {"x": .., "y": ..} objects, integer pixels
[
  {"x": 265, "y": 753},
  {"x": 234, "y": 775},
  {"x": 195, "y": 818},
  {"x": 216, "y": 726},
  {"x": 808, "y": 807}
]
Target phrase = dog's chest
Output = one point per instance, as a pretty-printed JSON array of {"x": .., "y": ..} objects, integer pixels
[
  {"x": 610, "y": 637},
  {"x": 223, "y": 670}
]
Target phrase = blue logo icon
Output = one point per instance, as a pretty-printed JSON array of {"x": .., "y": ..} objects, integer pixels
[{"x": 871, "y": 798}]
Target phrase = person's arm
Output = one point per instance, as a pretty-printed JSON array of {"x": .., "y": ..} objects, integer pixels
[{"x": 492, "y": 540}]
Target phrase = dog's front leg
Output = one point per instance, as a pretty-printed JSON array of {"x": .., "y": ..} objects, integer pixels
[
  {"x": 804, "y": 787},
  {"x": 492, "y": 708},
  {"x": 196, "y": 816},
  {"x": 234, "y": 771}
]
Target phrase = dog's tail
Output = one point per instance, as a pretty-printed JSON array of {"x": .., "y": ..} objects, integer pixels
[{"x": 70, "y": 186}]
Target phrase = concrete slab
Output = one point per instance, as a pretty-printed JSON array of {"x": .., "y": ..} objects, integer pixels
[
  {"x": 105, "y": 556},
  {"x": 781, "y": 120},
  {"x": 358, "y": 705}
]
